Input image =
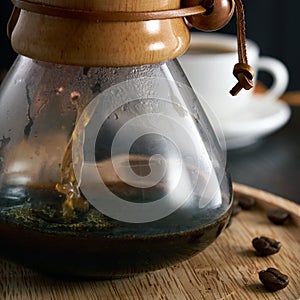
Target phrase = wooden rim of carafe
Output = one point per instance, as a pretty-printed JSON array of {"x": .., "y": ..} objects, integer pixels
[{"x": 91, "y": 42}]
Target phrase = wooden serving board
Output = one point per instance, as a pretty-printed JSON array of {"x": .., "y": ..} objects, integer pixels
[{"x": 228, "y": 269}]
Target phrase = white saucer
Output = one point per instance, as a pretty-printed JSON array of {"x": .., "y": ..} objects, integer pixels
[{"x": 258, "y": 119}]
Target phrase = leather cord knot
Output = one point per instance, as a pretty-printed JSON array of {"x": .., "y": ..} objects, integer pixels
[{"x": 244, "y": 74}]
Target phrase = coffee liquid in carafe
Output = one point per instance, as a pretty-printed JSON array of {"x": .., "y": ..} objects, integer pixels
[{"x": 95, "y": 246}]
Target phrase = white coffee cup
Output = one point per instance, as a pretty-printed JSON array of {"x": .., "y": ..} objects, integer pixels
[{"x": 208, "y": 64}]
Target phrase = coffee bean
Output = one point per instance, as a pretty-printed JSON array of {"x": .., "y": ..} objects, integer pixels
[
  {"x": 266, "y": 246},
  {"x": 245, "y": 202},
  {"x": 278, "y": 216},
  {"x": 273, "y": 279}
]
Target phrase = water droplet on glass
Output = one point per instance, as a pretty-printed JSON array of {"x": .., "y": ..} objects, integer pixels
[
  {"x": 17, "y": 81},
  {"x": 74, "y": 96},
  {"x": 59, "y": 90}
]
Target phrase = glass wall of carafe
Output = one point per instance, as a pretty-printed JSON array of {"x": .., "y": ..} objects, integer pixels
[{"x": 106, "y": 172}]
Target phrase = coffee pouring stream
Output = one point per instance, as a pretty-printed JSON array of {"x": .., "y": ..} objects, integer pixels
[{"x": 110, "y": 166}]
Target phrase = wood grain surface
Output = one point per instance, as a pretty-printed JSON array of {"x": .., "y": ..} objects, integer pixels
[
  {"x": 84, "y": 42},
  {"x": 228, "y": 269}
]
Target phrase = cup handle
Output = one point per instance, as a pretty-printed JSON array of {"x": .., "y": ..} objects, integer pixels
[{"x": 280, "y": 76}]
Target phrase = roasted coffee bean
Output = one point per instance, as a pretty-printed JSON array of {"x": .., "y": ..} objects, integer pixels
[
  {"x": 278, "y": 216},
  {"x": 273, "y": 279},
  {"x": 245, "y": 202},
  {"x": 266, "y": 246}
]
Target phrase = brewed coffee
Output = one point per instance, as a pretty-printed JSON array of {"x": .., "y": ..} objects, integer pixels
[{"x": 96, "y": 246}]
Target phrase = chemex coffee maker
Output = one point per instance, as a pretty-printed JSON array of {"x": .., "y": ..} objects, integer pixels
[{"x": 108, "y": 164}]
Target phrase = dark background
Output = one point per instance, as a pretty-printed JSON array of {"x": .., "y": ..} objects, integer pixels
[
  {"x": 273, "y": 24},
  {"x": 7, "y": 55}
]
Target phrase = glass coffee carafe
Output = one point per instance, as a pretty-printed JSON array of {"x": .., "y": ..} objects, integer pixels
[{"x": 106, "y": 170}]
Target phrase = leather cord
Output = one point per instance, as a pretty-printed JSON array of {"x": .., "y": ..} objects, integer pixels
[{"x": 242, "y": 70}]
